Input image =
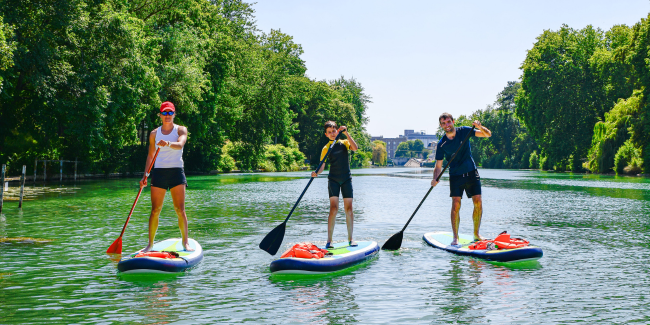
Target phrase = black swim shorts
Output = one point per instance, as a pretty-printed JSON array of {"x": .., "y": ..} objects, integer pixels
[
  {"x": 469, "y": 183},
  {"x": 167, "y": 177},
  {"x": 335, "y": 188}
]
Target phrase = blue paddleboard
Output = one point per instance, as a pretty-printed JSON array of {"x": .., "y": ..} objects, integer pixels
[
  {"x": 442, "y": 240},
  {"x": 148, "y": 264},
  {"x": 344, "y": 256}
]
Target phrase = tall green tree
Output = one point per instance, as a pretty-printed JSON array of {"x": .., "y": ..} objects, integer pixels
[
  {"x": 379, "y": 153},
  {"x": 560, "y": 98}
]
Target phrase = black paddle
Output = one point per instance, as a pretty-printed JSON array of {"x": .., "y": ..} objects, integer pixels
[
  {"x": 271, "y": 243},
  {"x": 395, "y": 242}
]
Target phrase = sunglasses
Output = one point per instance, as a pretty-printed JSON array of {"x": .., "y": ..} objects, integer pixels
[{"x": 167, "y": 113}]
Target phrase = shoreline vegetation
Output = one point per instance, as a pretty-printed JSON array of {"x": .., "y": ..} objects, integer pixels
[
  {"x": 581, "y": 105},
  {"x": 82, "y": 80}
]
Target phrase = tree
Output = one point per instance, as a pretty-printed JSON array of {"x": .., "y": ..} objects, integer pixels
[
  {"x": 379, "y": 153},
  {"x": 403, "y": 150},
  {"x": 560, "y": 99}
]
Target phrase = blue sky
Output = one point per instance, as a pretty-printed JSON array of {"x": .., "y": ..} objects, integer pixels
[{"x": 417, "y": 59}]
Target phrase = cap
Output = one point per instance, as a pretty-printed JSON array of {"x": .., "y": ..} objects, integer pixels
[{"x": 167, "y": 106}]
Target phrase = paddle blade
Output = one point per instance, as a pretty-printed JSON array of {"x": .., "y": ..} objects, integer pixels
[
  {"x": 394, "y": 242},
  {"x": 116, "y": 247},
  {"x": 271, "y": 243}
]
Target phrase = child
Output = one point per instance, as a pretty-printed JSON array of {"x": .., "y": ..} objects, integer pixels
[{"x": 339, "y": 178}]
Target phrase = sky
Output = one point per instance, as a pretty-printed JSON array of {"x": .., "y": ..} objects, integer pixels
[{"x": 418, "y": 59}]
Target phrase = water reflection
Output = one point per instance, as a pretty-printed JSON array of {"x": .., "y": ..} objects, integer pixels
[{"x": 322, "y": 299}]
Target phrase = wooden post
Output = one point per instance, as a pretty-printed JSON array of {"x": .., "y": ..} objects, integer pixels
[
  {"x": 22, "y": 187},
  {"x": 44, "y": 170},
  {"x": 35, "y": 166},
  {"x": 60, "y": 170},
  {"x": 75, "y": 169},
  {"x": 2, "y": 188}
]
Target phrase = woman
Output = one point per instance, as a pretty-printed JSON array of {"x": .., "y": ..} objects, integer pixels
[{"x": 167, "y": 172}]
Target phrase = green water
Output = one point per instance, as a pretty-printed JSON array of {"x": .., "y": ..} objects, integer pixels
[{"x": 595, "y": 232}]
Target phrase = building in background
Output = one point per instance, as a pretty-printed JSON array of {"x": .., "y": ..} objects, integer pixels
[{"x": 430, "y": 141}]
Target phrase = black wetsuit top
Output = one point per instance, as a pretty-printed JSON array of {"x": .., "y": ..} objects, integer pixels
[
  {"x": 339, "y": 161},
  {"x": 464, "y": 162}
]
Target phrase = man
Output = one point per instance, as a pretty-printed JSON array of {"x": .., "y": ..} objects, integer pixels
[{"x": 463, "y": 175}]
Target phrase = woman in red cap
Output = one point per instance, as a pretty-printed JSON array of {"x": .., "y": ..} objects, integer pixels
[{"x": 167, "y": 172}]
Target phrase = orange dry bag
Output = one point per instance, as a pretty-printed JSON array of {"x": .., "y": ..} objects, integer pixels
[
  {"x": 503, "y": 241},
  {"x": 305, "y": 250},
  {"x": 158, "y": 254},
  {"x": 483, "y": 244}
]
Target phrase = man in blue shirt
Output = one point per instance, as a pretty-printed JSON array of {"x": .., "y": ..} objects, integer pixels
[{"x": 463, "y": 175}]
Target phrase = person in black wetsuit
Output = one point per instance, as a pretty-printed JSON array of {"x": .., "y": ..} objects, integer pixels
[
  {"x": 339, "y": 178},
  {"x": 463, "y": 175}
]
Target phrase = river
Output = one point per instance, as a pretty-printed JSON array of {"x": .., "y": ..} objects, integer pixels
[{"x": 594, "y": 229}]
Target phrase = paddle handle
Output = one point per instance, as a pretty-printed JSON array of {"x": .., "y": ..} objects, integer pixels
[
  {"x": 438, "y": 178},
  {"x": 146, "y": 175},
  {"x": 312, "y": 179}
]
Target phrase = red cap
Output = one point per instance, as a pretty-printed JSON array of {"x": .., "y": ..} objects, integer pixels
[{"x": 167, "y": 106}]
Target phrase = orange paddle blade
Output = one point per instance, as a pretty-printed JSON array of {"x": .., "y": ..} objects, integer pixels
[{"x": 116, "y": 247}]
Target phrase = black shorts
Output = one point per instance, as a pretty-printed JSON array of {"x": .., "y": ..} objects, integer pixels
[
  {"x": 167, "y": 177},
  {"x": 335, "y": 188},
  {"x": 470, "y": 183}
]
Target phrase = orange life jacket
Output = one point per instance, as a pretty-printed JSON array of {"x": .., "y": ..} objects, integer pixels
[
  {"x": 158, "y": 254},
  {"x": 305, "y": 250},
  {"x": 503, "y": 241}
]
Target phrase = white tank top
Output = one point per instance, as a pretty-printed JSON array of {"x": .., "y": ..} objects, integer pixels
[{"x": 168, "y": 157}]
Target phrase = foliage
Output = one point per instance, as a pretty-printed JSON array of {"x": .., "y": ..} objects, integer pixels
[
  {"x": 609, "y": 135},
  {"x": 379, "y": 153},
  {"x": 586, "y": 84},
  {"x": 628, "y": 159},
  {"x": 315, "y": 103},
  {"x": 361, "y": 159},
  {"x": 510, "y": 145},
  {"x": 85, "y": 79},
  {"x": 560, "y": 98},
  {"x": 411, "y": 149}
]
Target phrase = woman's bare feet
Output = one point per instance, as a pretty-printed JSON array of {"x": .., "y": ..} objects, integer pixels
[{"x": 187, "y": 247}]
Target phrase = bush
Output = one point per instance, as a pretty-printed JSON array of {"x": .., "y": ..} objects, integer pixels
[
  {"x": 361, "y": 159},
  {"x": 628, "y": 159},
  {"x": 544, "y": 163},
  {"x": 281, "y": 158},
  {"x": 226, "y": 161},
  {"x": 534, "y": 160}
]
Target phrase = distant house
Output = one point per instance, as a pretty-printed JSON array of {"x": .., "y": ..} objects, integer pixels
[
  {"x": 430, "y": 141},
  {"x": 412, "y": 163}
]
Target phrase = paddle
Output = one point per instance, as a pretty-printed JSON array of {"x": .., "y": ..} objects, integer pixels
[
  {"x": 116, "y": 247},
  {"x": 271, "y": 243},
  {"x": 395, "y": 241}
]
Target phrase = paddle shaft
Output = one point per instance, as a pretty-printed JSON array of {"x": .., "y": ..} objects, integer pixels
[
  {"x": 437, "y": 179},
  {"x": 140, "y": 192},
  {"x": 312, "y": 179}
]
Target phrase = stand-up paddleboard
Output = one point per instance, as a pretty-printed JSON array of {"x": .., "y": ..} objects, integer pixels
[
  {"x": 343, "y": 257},
  {"x": 149, "y": 264},
  {"x": 442, "y": 240}
]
